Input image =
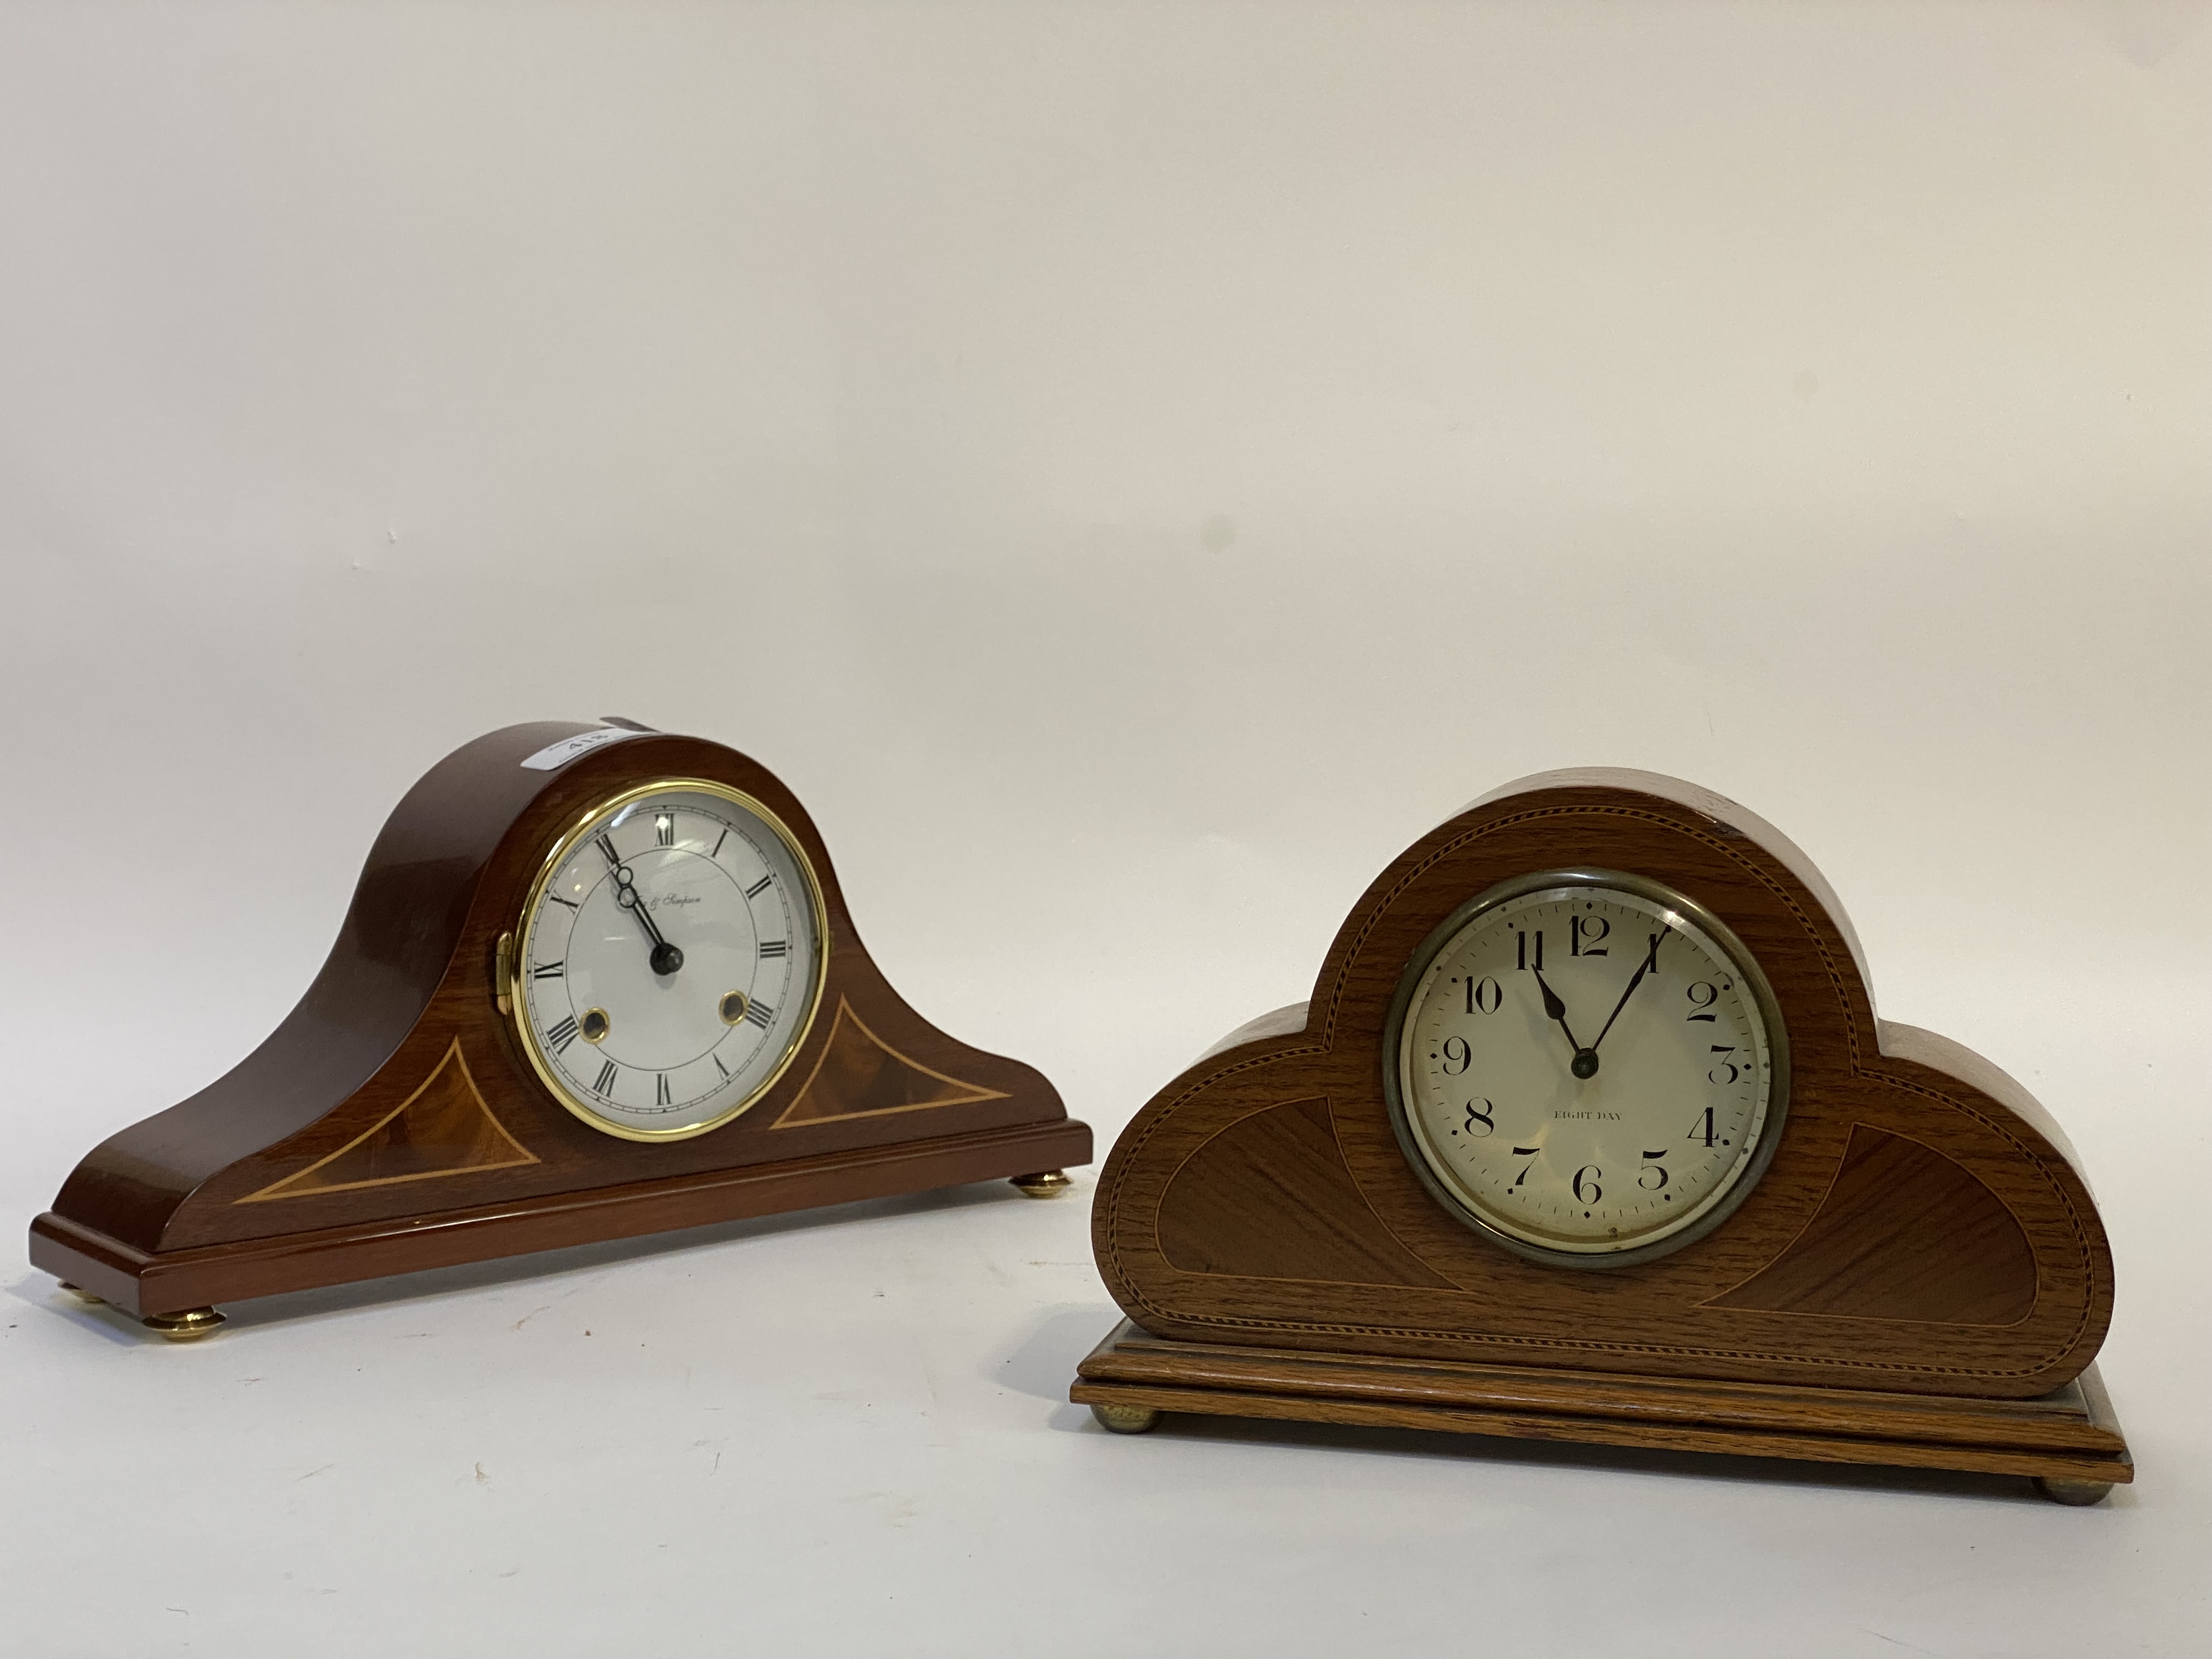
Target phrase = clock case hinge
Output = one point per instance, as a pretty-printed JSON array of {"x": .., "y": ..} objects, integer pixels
[{"x": 503, "y": 975}]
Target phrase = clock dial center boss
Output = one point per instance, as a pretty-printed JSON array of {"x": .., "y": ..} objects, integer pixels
[{"x": 1586, "y": 1067}]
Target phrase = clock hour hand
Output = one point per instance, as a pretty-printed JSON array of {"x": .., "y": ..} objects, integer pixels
[
  {"x": 1585, "y": 1060},
  {"x": 664, "y": 957}
]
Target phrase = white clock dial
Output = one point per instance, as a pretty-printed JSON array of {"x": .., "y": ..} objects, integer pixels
[
  {"x": 1589, "y": 1067},
  {"x": 670, "y": 960}
]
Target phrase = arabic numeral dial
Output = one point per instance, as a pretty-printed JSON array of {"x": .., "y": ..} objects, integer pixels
[{"x": 1587, "y": 1068}]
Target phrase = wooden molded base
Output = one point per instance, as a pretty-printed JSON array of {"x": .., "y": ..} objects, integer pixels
[
  {"x": 148, "y": 1283},
  {"x": 2067, "y": 1436}
]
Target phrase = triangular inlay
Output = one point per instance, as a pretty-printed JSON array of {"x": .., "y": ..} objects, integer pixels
[
  {"x": 443, "y": 1129},
  {"x": 861, "y": 1075}
]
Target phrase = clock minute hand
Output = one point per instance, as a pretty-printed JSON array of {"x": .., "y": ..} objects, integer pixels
[{"x": 1650, "y": 961}]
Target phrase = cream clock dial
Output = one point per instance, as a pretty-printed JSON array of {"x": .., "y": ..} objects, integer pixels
[
  {"x": 670, "y": 960},
  {"x": 1588, "y": 1067}
]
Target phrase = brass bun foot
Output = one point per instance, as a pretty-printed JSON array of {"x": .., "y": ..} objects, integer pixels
[
  {"x": 1051, "y": 1183},
  {"x": 1127, "y": 1419},
  {"x": 83, "y": 1294},
  {"x": 2076, "y": 1493},
  {"x": 186, "y": 1327}
]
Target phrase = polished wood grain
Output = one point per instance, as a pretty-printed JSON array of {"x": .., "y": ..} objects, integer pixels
[
  {"x": 394, "y": 1104},
  {"x": 1863, "y": 1255},
  {"x": 161, "y": 1281},
  {"x": 861, "y": 1075},
  {"x": 1922, "y": 1228},
  {"x": 1289, "y": 1156},
  {"x": 444, "y": 1128},
  {"x": 2068, "y": 1434}
]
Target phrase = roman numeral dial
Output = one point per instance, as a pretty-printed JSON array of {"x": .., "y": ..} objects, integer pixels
[{"x": 671, "y": 962}]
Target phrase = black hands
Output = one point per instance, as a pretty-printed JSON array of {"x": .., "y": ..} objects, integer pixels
[
  {"x": 665, "y": 957},
  {"x": 1585, "y": 1063},
  {"x": 1650, "y": 961},
  {"x": 1555, "y": 1008}
]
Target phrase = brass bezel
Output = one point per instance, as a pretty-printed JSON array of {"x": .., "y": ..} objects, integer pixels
[{"x": 513, "y": 990}]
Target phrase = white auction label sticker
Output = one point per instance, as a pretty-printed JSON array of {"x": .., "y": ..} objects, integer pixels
[{"x": 561, "y": 753}]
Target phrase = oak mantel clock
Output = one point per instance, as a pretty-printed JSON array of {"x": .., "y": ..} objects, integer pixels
[
  {"x": 596, "y": 983},
  {"x": 1589, "y": 1132}
]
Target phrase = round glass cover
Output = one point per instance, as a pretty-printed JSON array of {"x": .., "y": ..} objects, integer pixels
[
  {"x": 670, "y": 960},
  {"x": 1587, "y": 1066}
]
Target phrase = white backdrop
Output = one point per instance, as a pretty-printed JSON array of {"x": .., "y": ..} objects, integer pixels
[{"x": 1130, "y": 469}]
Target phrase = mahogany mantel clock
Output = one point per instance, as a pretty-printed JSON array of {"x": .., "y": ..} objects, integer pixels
[
  {"x": 1589, "y": 1132},
  {"x": 596, "y": 982}
]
